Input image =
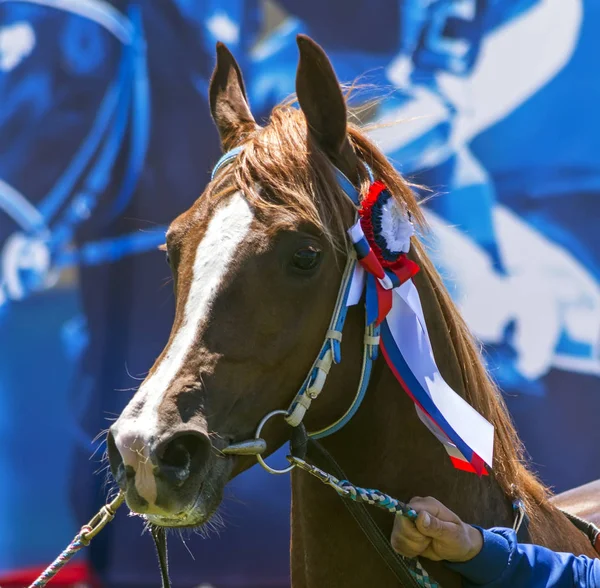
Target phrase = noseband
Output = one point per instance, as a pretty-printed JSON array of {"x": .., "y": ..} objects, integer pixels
[{"x": 329, "y": 354}]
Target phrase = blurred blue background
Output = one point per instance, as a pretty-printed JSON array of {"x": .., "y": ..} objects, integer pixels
[{"x": 105, "y": 137}]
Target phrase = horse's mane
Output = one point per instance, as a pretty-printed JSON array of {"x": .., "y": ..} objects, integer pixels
[{"x": 297, "y": 180}]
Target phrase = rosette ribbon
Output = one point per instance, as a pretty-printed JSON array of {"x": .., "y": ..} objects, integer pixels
[{"x": 381, "y": 239}]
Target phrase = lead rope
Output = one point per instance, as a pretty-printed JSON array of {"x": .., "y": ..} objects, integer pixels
[
  {"x": 89, "y": 531},
  {"x": 82, "y": 539}
]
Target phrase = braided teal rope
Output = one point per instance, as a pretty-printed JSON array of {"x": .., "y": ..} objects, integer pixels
[
  {"x": 376, "y": 498},
  {"x": 57, "y": 565}
]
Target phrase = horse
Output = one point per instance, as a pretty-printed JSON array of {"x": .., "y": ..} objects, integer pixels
[{"x": 258, "y": 262}]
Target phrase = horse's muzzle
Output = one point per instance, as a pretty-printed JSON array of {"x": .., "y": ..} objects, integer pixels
[{"x": 159, "y": 477}]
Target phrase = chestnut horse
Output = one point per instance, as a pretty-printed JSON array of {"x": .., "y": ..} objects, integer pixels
[{"x": 257, "y": 264}]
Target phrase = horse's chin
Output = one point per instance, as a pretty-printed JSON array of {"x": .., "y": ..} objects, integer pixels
[
  {"x": 189, "y": 520},
  {"x": 197, "y": 515},
  {"x": 203, "y": 507}
]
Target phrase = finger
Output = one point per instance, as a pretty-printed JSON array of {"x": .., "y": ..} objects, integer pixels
[
  {"x": 406, "y": 539},
  {"x": 450, "y": 541},
  {"x": 408, "y": 547},
  {"x": 431, "y": 553},
  {"x": 404, "y": 527},
  {"x": 434, "y": 507},
  {"x": 431, "y": 526}
]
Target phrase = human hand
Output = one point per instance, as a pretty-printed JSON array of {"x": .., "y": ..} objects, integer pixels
[{"x": 437, "y": 533}]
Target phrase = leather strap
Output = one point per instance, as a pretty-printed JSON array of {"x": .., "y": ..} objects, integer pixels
[
  {"x": 590, "y": 530},
  {"x": 160, "y": 542},
  {"x": 365, "y": 521}
]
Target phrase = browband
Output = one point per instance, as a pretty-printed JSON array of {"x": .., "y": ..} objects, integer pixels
[{"x": 343, "y": 182}]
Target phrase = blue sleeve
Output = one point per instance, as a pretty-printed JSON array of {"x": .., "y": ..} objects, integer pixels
[{"x": 505, "y": 562}]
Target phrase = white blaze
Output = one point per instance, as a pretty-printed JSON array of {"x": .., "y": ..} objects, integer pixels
[{"x": 226, "y": 231}]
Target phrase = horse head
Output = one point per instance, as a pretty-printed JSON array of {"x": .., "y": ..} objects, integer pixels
[
  {"x": 257, "y": 263},
  {"x": 261, "y": 265}
]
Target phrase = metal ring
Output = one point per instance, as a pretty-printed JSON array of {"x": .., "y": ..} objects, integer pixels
[{"x": 260, "y": 459}]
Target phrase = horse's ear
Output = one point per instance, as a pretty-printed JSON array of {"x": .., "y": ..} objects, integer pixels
[
  {"x": 322, "y": 102},
  {"x": 228, "y": 103}
]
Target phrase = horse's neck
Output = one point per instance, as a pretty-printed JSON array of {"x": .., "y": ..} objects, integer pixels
[{"x": 385, "y": 446}]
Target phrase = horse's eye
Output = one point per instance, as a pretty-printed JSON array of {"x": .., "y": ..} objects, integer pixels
[{"x": 307, "y": 258}]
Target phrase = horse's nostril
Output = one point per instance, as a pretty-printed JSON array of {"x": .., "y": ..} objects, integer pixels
[
  {"x": 115, "y": 460},
  {"x": 177, "y": 454},
  {"x": 180, "y": 455}
]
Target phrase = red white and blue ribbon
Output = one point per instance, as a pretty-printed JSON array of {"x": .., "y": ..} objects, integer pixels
[{"x": 381, "y": 239}]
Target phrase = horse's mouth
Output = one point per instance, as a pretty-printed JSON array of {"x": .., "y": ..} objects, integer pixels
[
  {"x": 204, "y": 506},
  {"x": 189, "y": 520},
  {"x": 186, "y": 522},
  {"x": 209, "y": 495},
  {"x": 196, "y": 516}
]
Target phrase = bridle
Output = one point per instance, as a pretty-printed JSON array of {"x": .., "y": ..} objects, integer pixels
[
  {"x": 329, "y": 354},
  {"x": 409, "y": 573}
]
